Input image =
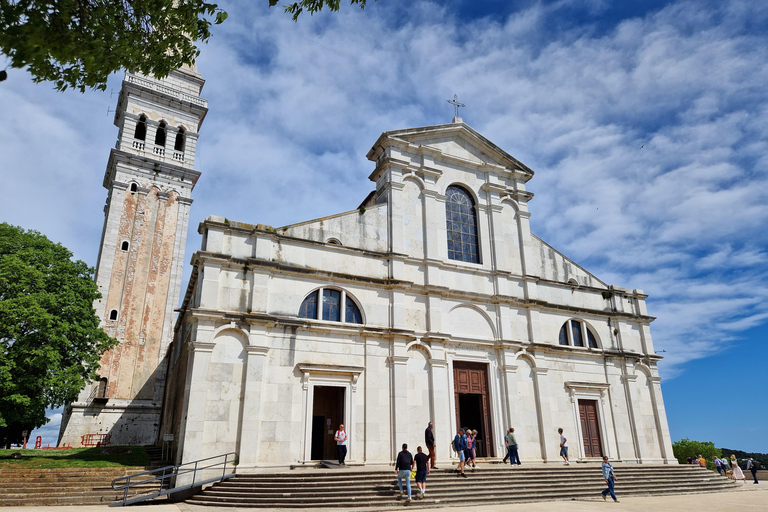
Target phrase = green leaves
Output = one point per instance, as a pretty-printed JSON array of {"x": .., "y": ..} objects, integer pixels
[
  {"x": 50, "y": 339},
  {"x": 79, "y": 43},
  {"x": 313, "y": 6}
]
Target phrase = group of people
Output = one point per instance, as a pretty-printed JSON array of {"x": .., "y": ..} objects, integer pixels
[
  {"x": 721, "y": 465},
  {"x": 407, "y": 465}
]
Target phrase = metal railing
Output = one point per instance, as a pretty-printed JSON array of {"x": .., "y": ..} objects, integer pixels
[{"x": 169, "y": 475}]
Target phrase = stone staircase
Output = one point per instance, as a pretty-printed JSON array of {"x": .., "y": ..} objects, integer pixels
[
  {"x": 494, "y": 483},
  {"x": 64, "y": 486}
]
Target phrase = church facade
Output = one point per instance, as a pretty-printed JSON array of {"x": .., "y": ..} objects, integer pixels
[{"x": 432, "y": 301}]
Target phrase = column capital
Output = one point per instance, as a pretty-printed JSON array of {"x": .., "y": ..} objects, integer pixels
[
  {"x": 438, "y": 363},
  {"x": 202, "y": 346},
  {"x": 255, "y": 350},
  {"x": 398, "y": 359}
]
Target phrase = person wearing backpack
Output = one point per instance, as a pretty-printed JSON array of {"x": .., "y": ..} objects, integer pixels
[
  {"x": 460, "y": 444},
  {"x": 753, "y": 466}
]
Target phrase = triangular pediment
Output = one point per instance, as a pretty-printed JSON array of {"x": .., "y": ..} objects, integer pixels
[{"x": 455, "y": 140}]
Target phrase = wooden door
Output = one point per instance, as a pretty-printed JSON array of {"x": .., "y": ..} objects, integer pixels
[
  {"x": 590, "y": 428},
  {"x": 470, "y": 380}
]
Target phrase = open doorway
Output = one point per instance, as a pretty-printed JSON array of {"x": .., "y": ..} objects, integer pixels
[
  {"x": 470, "y": 386},
  {"x": 327, "y": 415}
]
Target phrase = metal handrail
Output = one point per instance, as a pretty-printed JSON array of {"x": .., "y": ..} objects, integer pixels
[{"x": 166, "y": 473}]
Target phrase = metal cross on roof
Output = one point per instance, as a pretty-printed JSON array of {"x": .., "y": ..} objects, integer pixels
[{"x": 456, "y": 104}]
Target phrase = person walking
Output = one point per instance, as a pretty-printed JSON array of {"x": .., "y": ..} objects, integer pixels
[
  {"x": 724, "y": 463},
  {"x": 403, "y": 467},
  {"x": 341, "y": 444},
  {"x": 429, "y": 440},
  {"x": 511, "y": 441},
  {"x": 752, "y": 466},
  {"x": 718, "y": 466},
  {"x": 506, "y": 444},
  {"x": 610, "y": 479},
  {"x": 563, "y": 447},
  {"x": 460, "y": 443},
  {"x": 471, "y": 436},
  {"x": 738, "y": 474},
  {"x": 422, "y": 470}
]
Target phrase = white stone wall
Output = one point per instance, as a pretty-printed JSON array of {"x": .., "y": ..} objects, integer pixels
[{"x": 421, "y": 312}]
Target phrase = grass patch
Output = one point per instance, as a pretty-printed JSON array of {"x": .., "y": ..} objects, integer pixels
[{"x": 107, "y": 457}]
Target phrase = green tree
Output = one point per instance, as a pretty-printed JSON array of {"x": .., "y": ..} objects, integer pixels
[
  {"x": 79, "y": 43},
  {"x": 685, "y": 448},
  {"x": 50, "y": 339}
]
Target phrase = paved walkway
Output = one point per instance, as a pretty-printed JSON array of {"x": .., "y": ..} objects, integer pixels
[{"x": 747, "y": 498}]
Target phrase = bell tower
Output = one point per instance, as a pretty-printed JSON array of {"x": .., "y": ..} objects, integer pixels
[{"x": 150, "y": 177}]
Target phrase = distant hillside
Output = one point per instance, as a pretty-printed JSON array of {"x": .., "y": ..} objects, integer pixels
[{"x": 743, "y": 456}]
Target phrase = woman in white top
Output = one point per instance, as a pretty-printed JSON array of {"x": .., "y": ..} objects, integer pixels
[{"x": 738, "y": 474}]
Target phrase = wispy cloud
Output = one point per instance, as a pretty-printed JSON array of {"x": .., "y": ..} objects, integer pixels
[{"x": 648, "y": 138}]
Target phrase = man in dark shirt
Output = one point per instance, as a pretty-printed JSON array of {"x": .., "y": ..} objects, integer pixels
[
  {"x": 422, "y": 471},
  {"x": 403, "y": 468},
  {"x": 429, "y": 440}
]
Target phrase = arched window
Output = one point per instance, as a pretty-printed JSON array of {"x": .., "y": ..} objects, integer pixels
[
  {"x": 134, "y": 187},
  {"x": 334, "y": 303},
  {"x": 113, "y": 314},
  {"x": 125, "y": 245},
  {"x": 574, "y": 332},
  {"x": 141, "y": 128},
  {"x": 461, "y": 225},
  {"x": 179, "y": 144},
  {"x": 160, "y": 135}
]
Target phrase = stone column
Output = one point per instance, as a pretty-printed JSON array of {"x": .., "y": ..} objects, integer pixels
[
  {"x": 509, "y": 372},
  {"x": 193, "y": 413},
  {"x": 441, "y": 407},
  {"x": 399, "y": 398},
  {"x": 631, "y": 396},
  {"x": 544, "y": 413},
  {"x": 662, "y": 427},
  {"x": 250, "y": 419}
]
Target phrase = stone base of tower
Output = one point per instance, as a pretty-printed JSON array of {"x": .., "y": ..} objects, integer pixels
[{"x": 128, "y": 422}]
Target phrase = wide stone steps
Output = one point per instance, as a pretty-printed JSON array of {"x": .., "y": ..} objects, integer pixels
[
  {"x": 65, "y": 486},
  {"x": 500, "y": 484}
]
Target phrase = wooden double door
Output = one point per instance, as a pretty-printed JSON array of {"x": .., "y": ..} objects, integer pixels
[
  {"x": 470, "y": 389},
  {"x": 590, "y": 428}
]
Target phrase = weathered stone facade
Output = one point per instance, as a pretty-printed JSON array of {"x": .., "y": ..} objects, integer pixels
[
  {"x": 150, "y": 176},
  {"x": 520, "y": 337}
]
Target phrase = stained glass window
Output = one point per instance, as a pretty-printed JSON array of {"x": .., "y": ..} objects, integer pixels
[
  {"x": 578, "y": 329},
  {"x": 331, "y": 303},
  {"x": 591, "y": 339},
  {"x": 308, "y": 308},
  {"x": 461, "y": 225},
  {"x": 578, "y": 341},
  {"x": 352, "y": 314},
  {"x": 335, "y": 303}
]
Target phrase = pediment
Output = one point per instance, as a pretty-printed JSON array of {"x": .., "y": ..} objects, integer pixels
[{"x": 455, "y": 140}]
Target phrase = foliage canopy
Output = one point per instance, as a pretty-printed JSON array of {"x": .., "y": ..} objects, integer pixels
[
  {"x": 50, "y": 339},
  {"x": 79, "y": 43},
  {"x": 685, "y": 448}
]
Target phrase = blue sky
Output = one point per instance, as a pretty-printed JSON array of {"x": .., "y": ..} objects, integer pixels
[{"x": 645, "y": 122}]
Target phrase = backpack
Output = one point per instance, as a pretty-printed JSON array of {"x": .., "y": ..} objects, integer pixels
[{"x": 755, "y": 464}]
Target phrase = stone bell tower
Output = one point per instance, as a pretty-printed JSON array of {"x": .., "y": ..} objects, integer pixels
[{"x": 149, "y": 179}]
